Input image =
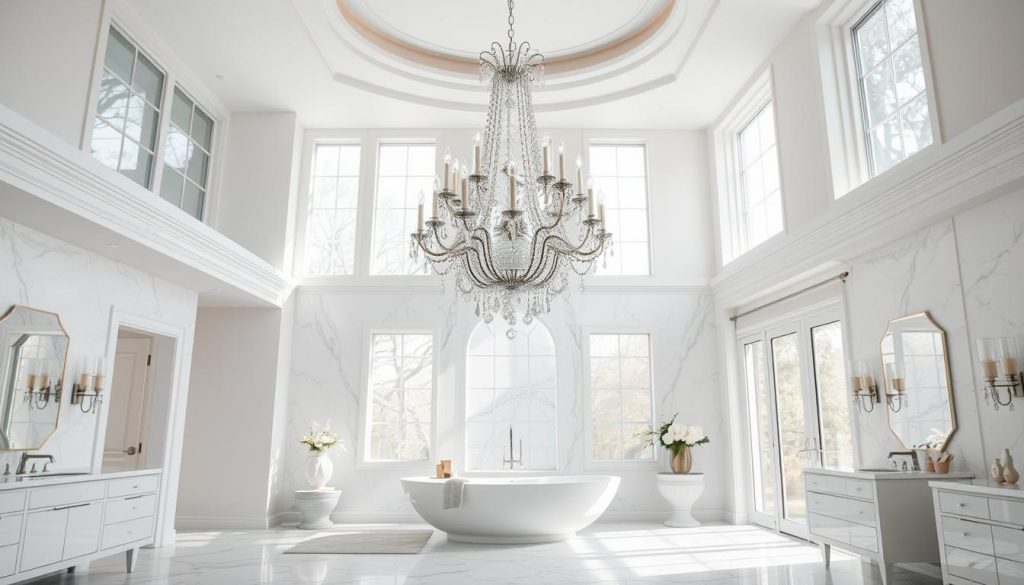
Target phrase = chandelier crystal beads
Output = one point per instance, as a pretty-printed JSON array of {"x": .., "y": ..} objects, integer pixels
[{"x": 510, "y": 233}]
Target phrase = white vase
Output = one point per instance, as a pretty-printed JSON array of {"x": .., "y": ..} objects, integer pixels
[{"x": 319, "y": 469}]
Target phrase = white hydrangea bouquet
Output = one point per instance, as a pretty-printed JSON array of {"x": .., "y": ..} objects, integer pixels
[
  {"x": 678, "y": 439},
  {"x": 320, "y": 438}
]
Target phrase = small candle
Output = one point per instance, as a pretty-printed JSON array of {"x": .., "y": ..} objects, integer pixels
[
  {"x": 590, "y": 201},
  {"x": 579, "y": 172},
  {"x": 561, "y": 161},
  {"x": 44, "y": 380},
  {"x": 857, "y": 383},
  {"x": 419, "y": 216},
  {"x": 869, "y": 382},
  {"x": 512, "y": 190},
  {"x": 989, "y": 369},
  {"x": 546, "y": 156},
  {"x": 447, "y": 169},
  {"x": 897, "y": 384},
  {"x": 476, "y": 153},
  {"x": 30, "y": 381},
  {"x": 600, "y": 214},
  {"x": 455, "y": 175},
  {"x": 436, "y": 203},
  {"x": 85, "y": 381},
  {"x": 98, "y": 382},
  {"x": 465, "y": 190},
  {"x": 1010, "y": 366}
]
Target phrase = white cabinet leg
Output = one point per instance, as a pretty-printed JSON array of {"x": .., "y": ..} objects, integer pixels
[
  {"x": 826, "y": 553},
  {"x": 131, "y": 557},
  {"x": 885, "y": 569}
]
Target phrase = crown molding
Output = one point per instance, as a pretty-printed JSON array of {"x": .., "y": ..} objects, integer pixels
[
  {"x": 53, "y": 187},
  {"x": 978, "y": 165}
]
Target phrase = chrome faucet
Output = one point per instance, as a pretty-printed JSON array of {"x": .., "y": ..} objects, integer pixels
[
  {"x": 25, "y": 457},
  {"x": 511, "y": 452},
  {"x": 913, "y": 457}
]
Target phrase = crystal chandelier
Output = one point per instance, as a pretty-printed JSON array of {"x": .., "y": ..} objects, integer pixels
[{"x": 511, "y": 233}]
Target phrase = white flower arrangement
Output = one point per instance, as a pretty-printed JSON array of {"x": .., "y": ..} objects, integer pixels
[
  {"x": 320, "y": 438},
  {"x": 674, "y": 436}
]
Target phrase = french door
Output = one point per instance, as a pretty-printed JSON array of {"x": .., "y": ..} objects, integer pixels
[{"x": 799, "y": 416}]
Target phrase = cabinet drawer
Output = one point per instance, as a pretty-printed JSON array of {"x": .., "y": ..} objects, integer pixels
[
  {"x": 125, "y": 532},
  {"x": 970, "y": 565},
  {"x": 1010, "y": 572},
  {"x": 62, "y": 495},
  {"x": 863, "y": 537},
  {"x": 842, "y": 508},
  {"x": 8, "y": 559},
  {"x": 1008, "y": 543},
  {"x": 130, "y": 508},
  {"x": 963, "y": 505},
  {"x": 131, "y": 486},
  {"x": 826, "y": 484},
  {"x": 12, "y": 502},
  {"x": 1007, "y": 511},
  {"x": 972, "y": 536},
  {"x": 860, "y": 488},
  {"x": 10, "y": 529}
]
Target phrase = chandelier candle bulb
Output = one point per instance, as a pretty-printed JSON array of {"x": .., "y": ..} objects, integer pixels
[
  {"x": 512, "y": 190},
  {"x": 600, "y": 214},
  {"x": 579, "y": 171},
  {"x": 561, "y": 161},
  {"x": 546, "y": 156},
  {"x": 435, "y": 204},
  {"x": 447, "y": 170},
  {"x": 476, "y": 153},
  {"x": 419, "y": 216},
  {"x": 590, "y": 201}
]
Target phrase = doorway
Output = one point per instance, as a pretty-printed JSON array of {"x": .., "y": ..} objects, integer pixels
[
  {"x": 129, "y": 402},
  {"x": 798, "y": 411}
]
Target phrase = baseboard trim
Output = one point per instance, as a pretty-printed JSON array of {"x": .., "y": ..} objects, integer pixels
[{"x": 193, "y": 523}]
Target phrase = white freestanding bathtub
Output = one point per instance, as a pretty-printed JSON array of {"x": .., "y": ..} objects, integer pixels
[{"x": 514, "y": 510}]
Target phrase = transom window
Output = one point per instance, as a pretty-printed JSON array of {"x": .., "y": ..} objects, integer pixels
[
  {"x": 333, "y": 207},
  {"x": 401, "y": 397},
  {"x": 187, "y": 155},
  {"x": 892, "y": 84},
  {"x": 511, "y": 386},
  {"x": 620, "y": 183},
  {"x": 761, "y": 192},
  {"x": 127, "y": 123},
  {"x": 405, "y": 175},
  {"x": 620, "y": 397}
]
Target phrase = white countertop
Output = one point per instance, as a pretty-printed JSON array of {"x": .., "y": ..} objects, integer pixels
[
  {"x": 15, "y": 482},
  {"x": 982, "y": 487},
  {"x": 883, "y": 475}
]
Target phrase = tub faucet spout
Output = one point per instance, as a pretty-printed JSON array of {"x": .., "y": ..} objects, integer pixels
[{"x": 512, "y": 459}]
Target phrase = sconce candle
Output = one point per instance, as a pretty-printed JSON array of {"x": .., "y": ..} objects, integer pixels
[{"x": 1000, "y": 367}]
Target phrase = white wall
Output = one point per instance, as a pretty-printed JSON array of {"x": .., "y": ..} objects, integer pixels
[
  {"x": 329, "y": 364},
  {"x": 46, "y": 61}
]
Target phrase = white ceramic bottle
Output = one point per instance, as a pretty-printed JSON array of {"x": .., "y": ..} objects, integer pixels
[
  {"x": 1010, "y": 473},
  {"x": 997, "y": 472}
]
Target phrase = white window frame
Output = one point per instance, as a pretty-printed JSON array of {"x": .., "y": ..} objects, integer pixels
[
  {"x": 589, "y": 463},
  {"x": 305, "y": 201},
  {"x": 119, "y": 15},
  {"x": 362, "y": 447},
  {"x": 726, "y": 137},
  {"x": 605, "y": 140},
  {"x": 843, "y": 100},
  {"x": 382, "y": 142}
]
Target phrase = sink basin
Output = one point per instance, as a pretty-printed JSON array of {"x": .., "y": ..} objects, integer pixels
[
  {"x": 49, "y": 474},
  {"x": 881, "y": 470}
]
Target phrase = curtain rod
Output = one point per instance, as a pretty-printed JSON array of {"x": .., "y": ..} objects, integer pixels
[{"x": 841, "y": 276}]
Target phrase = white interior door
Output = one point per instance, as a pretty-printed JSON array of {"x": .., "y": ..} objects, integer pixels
[{"x": 127, "y": 404}]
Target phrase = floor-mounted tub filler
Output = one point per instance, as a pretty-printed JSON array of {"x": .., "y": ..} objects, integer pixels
[{"x": 514, "y": 510}]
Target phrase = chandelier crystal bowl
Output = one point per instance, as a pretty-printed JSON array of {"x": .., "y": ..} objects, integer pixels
[{"x": 510, "y": 233}]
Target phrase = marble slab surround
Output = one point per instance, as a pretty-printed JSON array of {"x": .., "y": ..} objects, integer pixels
[{"x": 328, "y": 373}]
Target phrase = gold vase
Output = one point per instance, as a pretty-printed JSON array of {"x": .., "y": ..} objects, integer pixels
[{"x": 682, "y": 461}]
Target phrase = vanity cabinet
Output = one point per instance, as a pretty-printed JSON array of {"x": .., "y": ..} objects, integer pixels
[
  {"x": 981, "y": 533},
  {"x": 881, "y": 516},
  {"x": 50, "y": 524}
]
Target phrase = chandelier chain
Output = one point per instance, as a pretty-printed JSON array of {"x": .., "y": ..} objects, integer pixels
[{"x": 511, "y": 23}]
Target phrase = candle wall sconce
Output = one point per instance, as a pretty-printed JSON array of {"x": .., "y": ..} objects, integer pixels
[
  {"x": 865, "y": 390},
  {"x": 896, "y": 392},
  {"x": 87, "y": 393},
  {"x": 42, "y": 387},
  {"x": 1000, "y": 367}
]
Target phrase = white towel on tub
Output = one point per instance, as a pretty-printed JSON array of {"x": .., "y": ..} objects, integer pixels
[{"x": 453, "y": 489}]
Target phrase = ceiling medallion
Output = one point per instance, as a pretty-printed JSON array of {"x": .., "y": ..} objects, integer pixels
[{"x": 510, "y": 232}]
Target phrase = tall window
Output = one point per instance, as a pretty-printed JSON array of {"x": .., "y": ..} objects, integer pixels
[
  {"x": 127, "y": 123},
  {"x": 891, "y": 78},
  {"x": 401, "y": 397},
  {"x": 510, "y": 386},
  {"x": 405, "y": 173},
  {"x": 187, "y": 155},
  {"x": 333, "y": 202},
  {"x": 760, "y": 191},
  {"x": 620, "y": 397},
  {"x": 620, "y": 181}
]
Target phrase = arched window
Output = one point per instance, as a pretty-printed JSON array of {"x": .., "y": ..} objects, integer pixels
[{"x": 510, "y": 385}]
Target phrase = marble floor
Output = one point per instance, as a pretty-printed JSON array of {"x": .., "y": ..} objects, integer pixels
[{"x": 604, "y": 553}]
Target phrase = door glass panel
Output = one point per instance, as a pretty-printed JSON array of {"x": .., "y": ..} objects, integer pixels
[
  {"x": 792, "y": 429},
  {"x": 830, "y": 378},
  {"x": 761, "y": 423}
]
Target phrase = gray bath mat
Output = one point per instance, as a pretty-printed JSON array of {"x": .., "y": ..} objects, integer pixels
[{"x": 365, "y": 542}]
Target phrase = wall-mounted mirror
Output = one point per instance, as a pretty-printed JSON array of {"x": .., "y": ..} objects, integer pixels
[
  {"x": 917, "y": 391},
  {"x": 33, "y": 360}
]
